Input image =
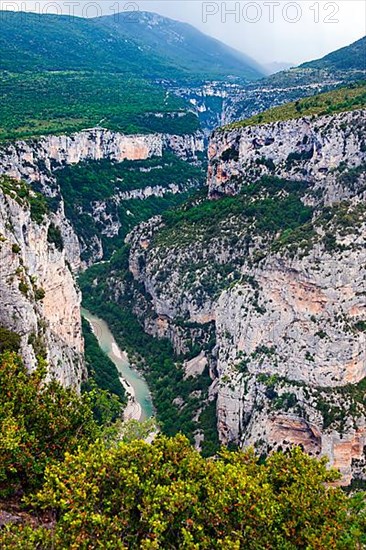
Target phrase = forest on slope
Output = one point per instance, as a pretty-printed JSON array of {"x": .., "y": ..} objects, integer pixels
[{"x": 60, "y": 74}]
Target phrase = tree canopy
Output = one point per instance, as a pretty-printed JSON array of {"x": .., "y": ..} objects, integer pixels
[{"x": 85, "y": 491}]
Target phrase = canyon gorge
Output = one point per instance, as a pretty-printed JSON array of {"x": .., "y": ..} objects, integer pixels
[{"x": 227, "y": 256}]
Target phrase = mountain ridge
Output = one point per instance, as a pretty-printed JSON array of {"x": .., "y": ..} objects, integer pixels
[
  {"x": 105, "y": 44},
  {"x": 354, "y": 58},
  {"x": 305, "y": 80},
  {"x": 196, "y": 43}
]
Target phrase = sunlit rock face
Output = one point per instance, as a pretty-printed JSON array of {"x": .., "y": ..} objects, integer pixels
[
  {"x": 285, "y": 343},
  {"x": 280, "y": 355},
  {"x": 39, "y": 299},
  {"x": 32, "y": 159}
]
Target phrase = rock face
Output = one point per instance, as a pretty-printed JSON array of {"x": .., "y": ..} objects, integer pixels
[
  {"x": 35, "y": 162},
  {"x": 303, "y": 334},
  {"x": 309, "y": 149},
  {"x": 300, "y": 326},
  {"x": 280, "y": 360},
  {"x": 39, "y": 300},
  {"x": 286, "y": 303},
  {"x": 218, "y": 103},
  {"x": 34, "y": 159},
  {"x": 105, "y": 213}
]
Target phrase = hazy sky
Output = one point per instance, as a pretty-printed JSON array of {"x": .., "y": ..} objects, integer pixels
[{"x": 267, "y": 30}]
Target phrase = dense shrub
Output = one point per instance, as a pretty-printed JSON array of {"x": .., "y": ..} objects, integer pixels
[
  {"x": 56, "y": 102},
  {"x": 165, "y": 495},
  {"x": 9, "y": 340},
  {"x": 132, "y": 494},
  {"x": 54, "y": 236},
  {"x": 39, "y": 422},
  {"x": 269, "y": 205}
]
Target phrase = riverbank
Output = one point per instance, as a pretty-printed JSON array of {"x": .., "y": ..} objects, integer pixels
[{"x": 139, "y": 404}]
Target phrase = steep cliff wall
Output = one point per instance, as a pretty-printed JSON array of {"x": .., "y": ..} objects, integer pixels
[
  {"x": 34, "y": 160},
  {"x": 291, "y": 361},
  {"x": 310, "y": 148},
  {"x": 279, "y": 270},
  {"x": 39, "y": 300}
]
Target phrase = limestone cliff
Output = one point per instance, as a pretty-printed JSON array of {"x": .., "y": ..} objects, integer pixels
[
  {"x": 39, "y": 300},
  {"x": 37, "y": 161},
  {"x": 309, "y": 148},
  {"x": 34, "y": 160},
  {"x": 278, "y": 273}
]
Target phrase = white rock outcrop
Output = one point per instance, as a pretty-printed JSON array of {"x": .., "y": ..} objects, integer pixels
[
  {"x": 39, "y": 299},
  {"x": 34, "y": 159},
  {"x": 308, "y": 148}
]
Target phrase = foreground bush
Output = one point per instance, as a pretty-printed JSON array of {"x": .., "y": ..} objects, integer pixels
[
  {"x": 166, "y": 495},
  {"x": 96, "y": 491},
  {"x": 39, "y": 422}
]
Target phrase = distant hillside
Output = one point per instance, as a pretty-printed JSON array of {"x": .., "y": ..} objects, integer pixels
[
  {"x": 182, "y": 45},
  {"x": 337, "y": 69},
  {"x": 60, "y": 74},
  {"x": 30, "y": 42},
  {"x": 345, "y": 64},
  {"x": 352, "y": 57},
  {"x": 141, "y": 44},
  {"x": 275, "y": 67},
  {"x": 62, "y": 102}
]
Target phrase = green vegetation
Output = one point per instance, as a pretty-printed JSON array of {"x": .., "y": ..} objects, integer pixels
[
  {"x": 100, "y": 368},
  {"x": 9, "y": 340},
  {"x": 99, "y": 180},
  {"x": 344, "y": 65},
  {"x": 103, "y": 72},
  {"x": 331, "y": 225},
  {"x": 267, "y": 206},
  {"x": 135, "y": 211},
  {"x": 128, "y": 43},
  {"x": 225, "y": 234},
  {"x": 162, "y": 369},
  {"x": 107, "y": 491},
  {"x": 165, "y": 495},
  {"x": 339, "y": 100},
  {"x": 39, "y": 422},
  {"x": 15, "y": 248},
  {"x": 338, "y": 404},
  {"x": 54, "y": 236},
  {"x": 23, "y": 194},
  {"x": 35, "y": 104},
  {"x": 85, "y": 183},
  {"x": 351, "y": 57},
  {"x": 349, "y": 177},
  {"x": 299, "y": 240},
  {"x": 39, "y": 294}
]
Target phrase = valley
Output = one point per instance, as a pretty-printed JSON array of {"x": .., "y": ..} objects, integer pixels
[
  {"x": 139, "y": 405},
  {"x": 182, "y": 240}
]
